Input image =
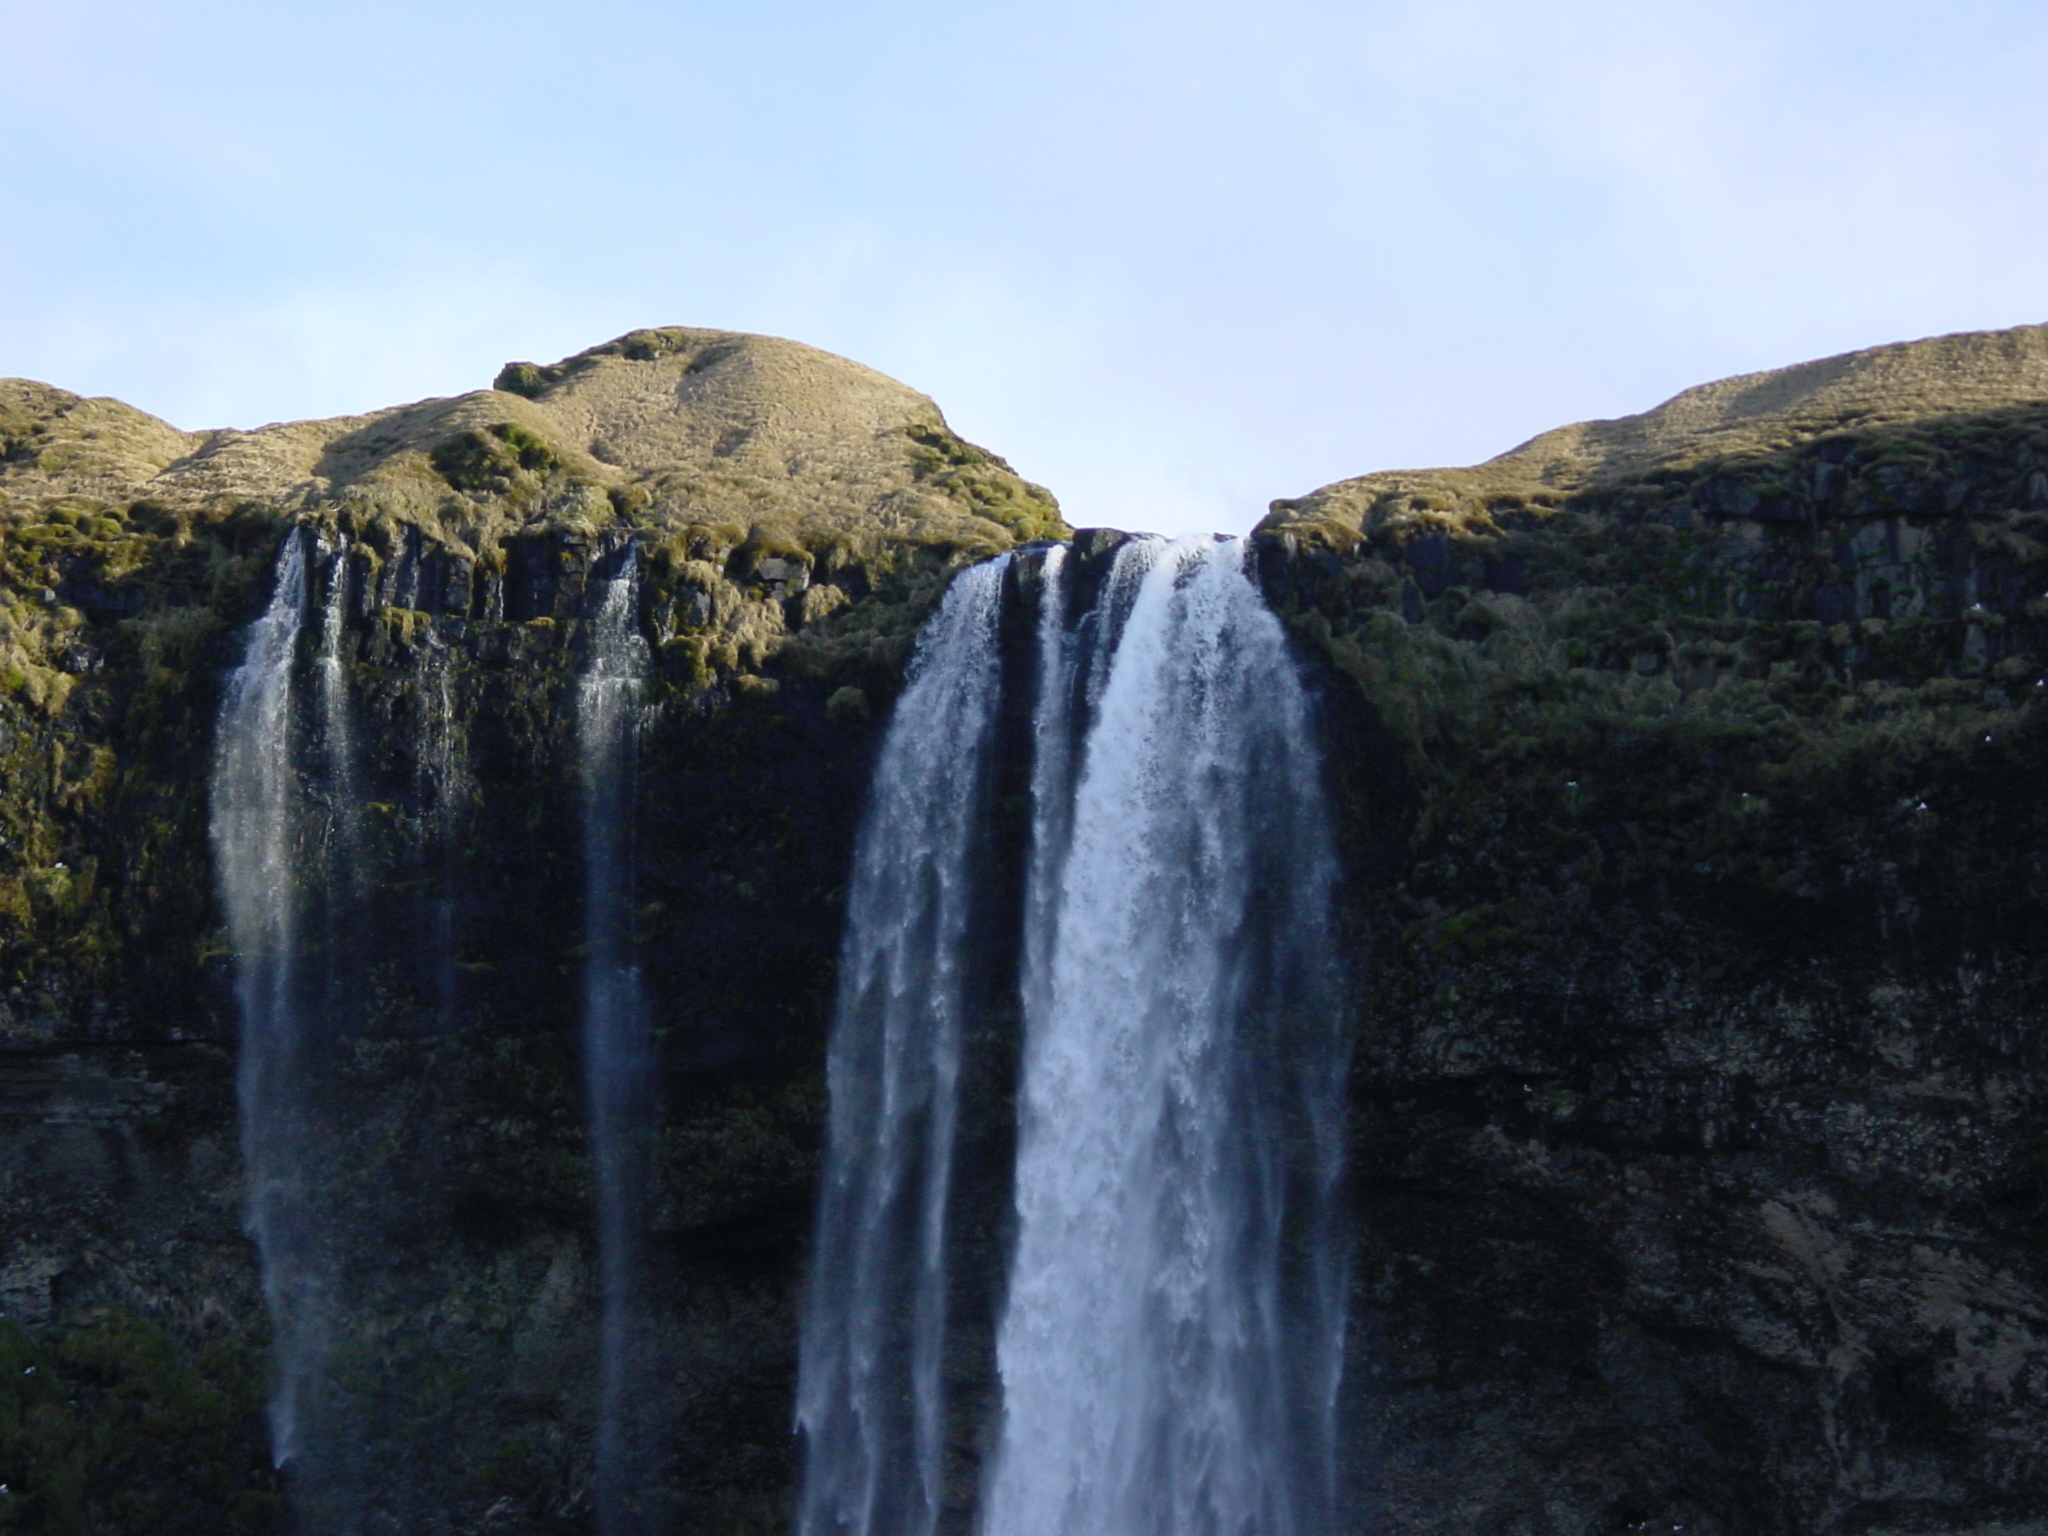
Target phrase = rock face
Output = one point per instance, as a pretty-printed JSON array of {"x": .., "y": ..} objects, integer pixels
[
  {"x": 1688, "y": 776},
  {"x": 1694, "y": 765}
]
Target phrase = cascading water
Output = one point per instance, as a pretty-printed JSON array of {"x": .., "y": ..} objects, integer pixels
[
  {"x": 284, "y": 839},
  {"x": 1170, "y": 1343},
  {"x": 868, "y": 1386},
  {"x": 441, "y": 781},
  {"x": 255, "y": 794},
  {"x": 617, "y": 1045},
  {"x": 338, "y": 739},
  {"x": 339, "y": 891},
  {"x": 1052, "y": 766},
  {"x": 1073, "y": 669}
]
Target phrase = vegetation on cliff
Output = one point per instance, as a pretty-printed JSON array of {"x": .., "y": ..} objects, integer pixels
[
  {"x": 796, "y": 516},
  {"x": 1707, "y": 629},
  {"x": 798, "y": 513},
  {"x": 1691, "y": 767}
]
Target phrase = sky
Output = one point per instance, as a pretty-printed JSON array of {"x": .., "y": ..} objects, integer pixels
[{"x": 1171, "y": 260}]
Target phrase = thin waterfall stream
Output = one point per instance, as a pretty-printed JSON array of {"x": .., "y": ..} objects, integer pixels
[
  {"x": 1169, "y": 1344},
  {"x": 255, "y": 795},
  {"x": 283, "y": 827},
  {"x": 618, "y": 1048},
  {"x": 291, "y": 856}
]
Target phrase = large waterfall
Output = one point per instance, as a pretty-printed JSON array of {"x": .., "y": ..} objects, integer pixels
[
  {"x": 1170, "y": 1344},
  {"x": 1095, "y": 819},
  {"x": 617, "y": 1047},
  {"x": 1168, "y": 1364}
]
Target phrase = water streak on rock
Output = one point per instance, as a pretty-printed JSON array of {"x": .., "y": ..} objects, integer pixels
[
  {"x": 442, "y": 782},
  {"x": 337, "y": 734},
  {"x": 617, "y": 1046}
]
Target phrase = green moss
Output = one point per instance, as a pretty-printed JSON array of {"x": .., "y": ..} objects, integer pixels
[
  {"x": 108, "y": 1423},
  {"x": 407, "y": 627},
  {"x": 768, "y": 542},
  {"x": 503, "y": 459},
  {"x": 1482, "y": 930},
  {"x": 521, "y": 379},
  {"x": 712, "y": 541},
  {"x": 984, "y": 483}
]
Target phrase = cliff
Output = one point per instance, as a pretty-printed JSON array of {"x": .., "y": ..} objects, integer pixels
[
  {"x": 1691, "y": 765},
  {"x": 796, "y": 516},
  {"x": 1686, "y": 771}
]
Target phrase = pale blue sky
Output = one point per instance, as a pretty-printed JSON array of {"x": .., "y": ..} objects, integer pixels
[{"x": 1171, "y": 259}]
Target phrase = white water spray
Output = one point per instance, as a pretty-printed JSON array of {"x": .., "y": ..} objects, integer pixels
[
  {"x": 283, "y": 833},
  {"x": 1173, "y": 1327},
  {"x": 1170, "y": 1344},
  {"x": 261, "y": 822},
  {"x": 337, "y": 734},
  {"x": 255, "y": 794}
]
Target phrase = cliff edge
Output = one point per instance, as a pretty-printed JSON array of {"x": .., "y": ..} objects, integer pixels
[{"x": 1846, "y": 400}]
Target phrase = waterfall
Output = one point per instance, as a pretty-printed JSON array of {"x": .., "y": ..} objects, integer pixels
[
  {"x": 1170, "y": 1344},
  {"x": 254, "y": 811},
  {"x": 440, "y": 780},
  {"x": 339, "y": 891},
  {"x": 1172, "y": 1333},
  {"x": 617, "y": 1044},
  {"x": 338, "y": 739},
  {"x": 868, "y": 1384},
  {"x": 1052, "y": 764},
  {"x": 1073, "y": 669},
  {"x": 283, "y": 828}
]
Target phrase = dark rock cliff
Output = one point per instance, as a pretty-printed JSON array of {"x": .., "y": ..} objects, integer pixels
[
  {"x": 796, "y": 517},
  {"x": 1692, "y": 767},
  {"x": 1688, "y": 775}
]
